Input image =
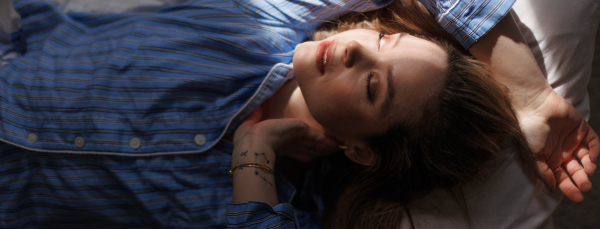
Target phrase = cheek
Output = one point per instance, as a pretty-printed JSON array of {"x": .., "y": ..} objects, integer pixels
[{"x": 336, "y": 108}]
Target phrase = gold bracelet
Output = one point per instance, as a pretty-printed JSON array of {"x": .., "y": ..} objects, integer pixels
[{"x": 251, "y": 164}]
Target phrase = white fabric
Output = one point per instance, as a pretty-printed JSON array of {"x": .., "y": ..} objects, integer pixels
[
  {"x": 511, "y": 197},
  {"x": 561, "y": 35}
]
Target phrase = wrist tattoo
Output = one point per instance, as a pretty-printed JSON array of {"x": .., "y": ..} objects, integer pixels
[
  {"x": 256, "y": 172},
  {"x": 256, "y": 157}
]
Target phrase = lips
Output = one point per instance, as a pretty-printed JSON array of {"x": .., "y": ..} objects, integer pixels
[{"x": 324, "y": 55}]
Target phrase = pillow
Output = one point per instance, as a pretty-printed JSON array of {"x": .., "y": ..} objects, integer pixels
[{"x": 561, "y": 35}]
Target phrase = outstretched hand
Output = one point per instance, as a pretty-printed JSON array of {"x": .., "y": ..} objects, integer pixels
[
  {"x": 554, "y": 130},
  {"x": 286, "y": 137}
]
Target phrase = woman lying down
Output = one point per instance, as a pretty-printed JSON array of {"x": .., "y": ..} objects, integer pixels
[{"x": 140, "y": 120}]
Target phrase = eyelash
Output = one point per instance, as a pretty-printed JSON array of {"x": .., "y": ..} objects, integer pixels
[
  {"x": 381, "y": 35},
  {"x": 369, "y": 85}
]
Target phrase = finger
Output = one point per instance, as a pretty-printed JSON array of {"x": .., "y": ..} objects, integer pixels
[
  {"x": 594, "y": 145},
  {"x": 322, "y": 150},
  {"x": 583, "y": 154},
  {"x": 570, "y": 143},
  {"x": 254, "y": 117},
  {"x": 546, "y": 175},
  {"x": 327, "y": 142},
  {"x": 561, "y": 152},
  {"x": 589, "y": 154},
  {"x": 557, "y": 156},
  {"x": 318, "y": 137},
  {"x": 317, "y": 144},
  {"x": 567, "y": 187},
  {"x": 578, "y": 175}
]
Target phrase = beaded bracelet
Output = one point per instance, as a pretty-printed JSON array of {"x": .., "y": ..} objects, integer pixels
[{"x": 251, "y": 164}]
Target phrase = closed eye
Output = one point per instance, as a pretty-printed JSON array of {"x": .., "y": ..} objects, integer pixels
[
  {"x": 369, "y": 85},
  {"x": 381, "y": 35}
]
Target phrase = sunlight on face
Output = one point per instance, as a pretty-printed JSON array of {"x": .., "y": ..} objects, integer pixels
[{"x": 355, "y": 84}]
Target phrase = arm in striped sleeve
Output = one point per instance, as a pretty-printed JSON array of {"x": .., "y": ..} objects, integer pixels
[
  {"x": 468, "y": 21},
  {"x": 306, "y": 14}
]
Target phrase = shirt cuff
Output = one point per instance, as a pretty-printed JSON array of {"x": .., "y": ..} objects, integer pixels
[
  {"x": 260, "y": 215},
  {"x": 468, "y": 21}
]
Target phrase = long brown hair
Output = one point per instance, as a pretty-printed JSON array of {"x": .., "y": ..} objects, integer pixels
[{"x": 461, "y": 130}]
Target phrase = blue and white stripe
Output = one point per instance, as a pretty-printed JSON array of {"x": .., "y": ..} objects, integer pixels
[
  {"x": 468, "y": 20},
  {"x": 177, "y": 80}
]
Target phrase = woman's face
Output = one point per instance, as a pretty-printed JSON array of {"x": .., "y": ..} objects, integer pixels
[{"x": 356, "y": 84}]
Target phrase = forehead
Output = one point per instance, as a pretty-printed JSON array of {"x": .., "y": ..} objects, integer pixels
[{"x": 417, "y": 69}]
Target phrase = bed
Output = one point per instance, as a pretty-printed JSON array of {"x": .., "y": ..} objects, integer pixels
[{"x": 560, "y": 34}]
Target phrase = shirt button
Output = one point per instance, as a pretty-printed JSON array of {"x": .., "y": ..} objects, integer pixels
[
  {"x": 200, "y": 139},
  {"x": 32, "y": 138},
  {"x": 135, "y": 143},
  {"x": 79, "y": 142}
]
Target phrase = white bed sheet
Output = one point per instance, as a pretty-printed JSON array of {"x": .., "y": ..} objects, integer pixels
[{"x": 560, "y": 34}]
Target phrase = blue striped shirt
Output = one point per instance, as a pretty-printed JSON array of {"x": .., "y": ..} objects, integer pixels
[
  {"x": 117, "y": 120},
  {"x": 468, "y": 20}
]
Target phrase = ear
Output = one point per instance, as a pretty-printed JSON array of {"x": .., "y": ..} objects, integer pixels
[{"x": 361, "y": 154}]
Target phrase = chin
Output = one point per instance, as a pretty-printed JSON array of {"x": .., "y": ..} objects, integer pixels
[
  {"x": 300, "y": 52},
  {"x": 301, "y": 62}
]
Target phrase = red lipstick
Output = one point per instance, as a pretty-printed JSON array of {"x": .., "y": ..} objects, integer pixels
[{"x": 324, "y": 48}]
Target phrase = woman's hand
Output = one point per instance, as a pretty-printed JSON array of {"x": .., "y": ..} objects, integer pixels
[
  {"x": 259, "y": 142},
  {"x": 555, "y": 130},
  {"x": 286, "y": 137}
]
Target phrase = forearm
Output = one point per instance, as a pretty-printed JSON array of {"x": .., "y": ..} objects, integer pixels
[
  {"x": 511, "y": 62},
  {"x": 552, "y": 127},
  {"x": 250, "y": 183}
]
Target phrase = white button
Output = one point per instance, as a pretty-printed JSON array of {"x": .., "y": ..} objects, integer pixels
[
  {"x": 135, "y": 143},
  {"x": 79, "y": 142},
  {"x": 32, "y": 138},
  {"x": 200, "y": 139}
]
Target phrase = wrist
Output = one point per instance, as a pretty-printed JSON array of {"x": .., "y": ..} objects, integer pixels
[
  {"x": 528, "y": 98},
  {"x": 532, "y": 102},
  {"x": 253, "y": 150},
  {"x": 256, "y": 182}
]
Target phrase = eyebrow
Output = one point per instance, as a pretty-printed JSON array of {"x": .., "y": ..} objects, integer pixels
[
  {"x": 385, "y": 106},
  {"x": 390, "y": 92}
]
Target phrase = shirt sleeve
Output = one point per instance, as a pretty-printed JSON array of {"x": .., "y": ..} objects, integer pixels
[
  {"x": 284, "y": 215},
  {"x": 469, "y": 20},
  {"x": 260, "y": 215},
  {"x": 306, "y": 14}
]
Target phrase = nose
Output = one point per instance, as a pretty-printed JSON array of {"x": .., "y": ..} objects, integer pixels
[{"x": 354, "y": 53}]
